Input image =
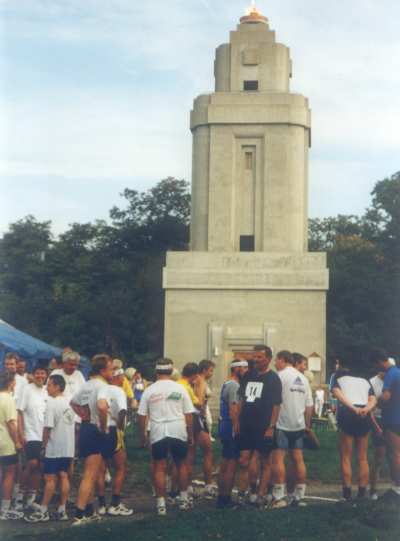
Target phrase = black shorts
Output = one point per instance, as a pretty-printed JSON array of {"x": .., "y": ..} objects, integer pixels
[
  {"x": 230, "y": 448},
  {"x": 254, "y": 440},
  {"x": 8, "y": 460},
  {"x": 352, "y": 424},
  {"x": 109, "y": 444},
  {"x": 33, "y": 450},
  {"x": 177, "y": 448},
  {"x": 90, "y": 440},
  {"x": 52, "y": 466},
  {"x": 199, "y": 424},
  {"x": 286, "y": 440}
]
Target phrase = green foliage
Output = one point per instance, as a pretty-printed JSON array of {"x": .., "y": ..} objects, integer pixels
[{"x": 98, "y": 285}]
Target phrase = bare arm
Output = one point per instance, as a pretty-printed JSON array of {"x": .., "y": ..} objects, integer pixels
[
  {"x": 385, "y": 397},
  {"x": 21, "y": 428},
  {"x": 234, "y": 413},
  {"x": 102, "y": 408},
  {"x": 308, "y": 416},
  {"x": 46, "y": 436},
  {"x": 272, "y": 424},
  {"x": 370, "y": 406},
  {"x": 189, "y": 427},
  {"x": 81, "y": 411},
  {"x": 338, "y": 393},
  {"x": 143, "y": 429},
  {"x": 121, "y": 420},
  {"x": 12, "y": 427},
  {"x": 200, "y": 391}
]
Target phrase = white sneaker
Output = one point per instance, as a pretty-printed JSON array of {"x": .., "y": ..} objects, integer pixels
[
  {"x": 80, "y": 521},
  {"x": 161, "y": 510},
  {"x": 120, "y": 510},
  {"x": 61, "y": 516},
  {"x": 102, "y": 510},
  {"x": 210, "y": 492},
  {"x": 33, "y": 507},
  {"x": 253, "y": 498},
  {"x": 95, "y": 517},
  {"x": 184, "y": 505},
  {"x": 18, "y": 506},
  {"x": 373, "y": 496},
  {"x": 11, "y": 515},
  {"x": 38, "y": 517}
]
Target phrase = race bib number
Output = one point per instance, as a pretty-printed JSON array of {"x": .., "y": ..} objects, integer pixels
[{"x": 253, "y": 390}]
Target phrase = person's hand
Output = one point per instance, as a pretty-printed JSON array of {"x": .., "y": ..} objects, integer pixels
[
  {"x": 308, "y": 429},
  {"x": 18, "y": 446},
  {"x": 364, "y": 412},
  {"x": 357, "y": 411},
  {"x": 379, "y": 431},
  {"x": 144, "y": 441},
  {"x": 269, "y": 433}
]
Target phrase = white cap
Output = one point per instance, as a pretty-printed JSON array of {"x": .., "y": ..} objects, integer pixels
[{"x": 391, "y": 361}]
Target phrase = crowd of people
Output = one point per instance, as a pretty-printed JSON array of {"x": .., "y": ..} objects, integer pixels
[{"x": 52, "y": 416}]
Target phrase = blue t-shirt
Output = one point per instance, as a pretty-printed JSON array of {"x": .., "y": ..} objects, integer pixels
[{"x": 391, "y": 409}]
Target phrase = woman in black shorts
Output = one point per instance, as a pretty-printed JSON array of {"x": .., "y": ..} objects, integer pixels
[{"x": 356, "y": 401}]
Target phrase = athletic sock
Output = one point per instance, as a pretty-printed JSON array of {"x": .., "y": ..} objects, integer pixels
[
  {"x": 208, "y": 488},
  {"x": 347, "y": 493},
  {"x": 16, "y": 491},
  {"x": 5, "y": 505},
  {"x": 79, "y": 512},
  {"x": 362, "y": 492},
  {"x": 43, "y": 508},
  {"x": 160, "y": 502},
  {"x": 396, "y": 489},
  {"x": 278, "y": 492},
  {"x": 300, "y": 491},
  {"x": 31, "y": 497},
  {"x": 115, "y": 500},
  {"x": 184, "y": 495},
  {"x": 89, "y": 510},
  {"x": 173, "y": 494},
  {"x": 61, "y": 509},
  {"x": 101, "y": 500}
]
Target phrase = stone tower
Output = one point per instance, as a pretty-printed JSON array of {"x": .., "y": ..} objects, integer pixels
[{"x": 248, "y": 278}]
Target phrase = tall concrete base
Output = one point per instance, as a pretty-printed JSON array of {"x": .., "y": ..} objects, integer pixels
[{"x": 221, "y": 303}]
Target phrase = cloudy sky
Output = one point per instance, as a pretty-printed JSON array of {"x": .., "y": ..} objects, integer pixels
[{"x": 95, "y": 97}]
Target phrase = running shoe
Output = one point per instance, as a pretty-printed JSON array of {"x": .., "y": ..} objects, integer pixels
[
  {"x": 18, "y": 506},
  {"x": 33, "y": 507},
  {"x": 102, "y": 510},
  {"x": 390, "y": 496},
  {"x": 94, "y": 518},
  {"x": 11, "y": 515},
  {"x": 120, "y": 510},
  {"x": 61, "y": 516},
  {"x": 252, "y": 498},
  {"x": 161, "y": 510},
  {"x": 39, "y": 516},
  {"x": 210, "y": 492},
  {"x": 373, "y": 496},
  {"x": 297, "y": 503},
  {"x": 80, "y": 521},
  {"x": 278, "y": 504}
]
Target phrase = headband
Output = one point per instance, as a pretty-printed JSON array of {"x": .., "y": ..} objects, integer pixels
[
  {"x": 239, "y": 364},
  {"x": 164, "y": 367}
]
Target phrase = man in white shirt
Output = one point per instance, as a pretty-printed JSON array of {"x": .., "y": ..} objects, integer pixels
[
  {"x": 113, "y": 406},
  {"x": 59, "y": 447},
  {"x": 70, "y": 372},
  {"x": 169, "y": 410},
  {"x": 91, "y": 440},
  {"x": 10, "y": 364},
  {"x": 31, "y": 410},
  {"x": 294, "y": 419}
]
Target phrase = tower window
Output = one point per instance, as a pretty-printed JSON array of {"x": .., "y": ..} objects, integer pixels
[
  {"x": 248, "y": 160},
  {"x": 250, "y": 85},
  {"x": 247, "y": 243}
]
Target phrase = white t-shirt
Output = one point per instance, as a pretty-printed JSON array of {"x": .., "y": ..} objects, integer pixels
[
  {"x": 296, "y": 396},
  {"x": 20, "y": 384},
  {"x": 73, "y": 382},
  {"x": 33, "y": 406},
  {"x": 87, "y": 396},
  {"x": 116, "y": 400},
  {"x": 166, "y": 403},
  {"x": 356, "y": 390},
  {"x": 319, "y": 395},
  {"x": 377, "y": 385},
  {"x": 60, "y": 417}
]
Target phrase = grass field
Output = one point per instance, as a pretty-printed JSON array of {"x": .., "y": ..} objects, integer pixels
[{"x": 368, "y": 521}]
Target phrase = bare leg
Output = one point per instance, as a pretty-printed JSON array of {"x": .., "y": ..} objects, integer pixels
[
  {"x": 379, "y": 458},
  {"x": 204, "y": 442},
  {"x": 119, "y": 460},
  {"x": 64, "y": 487},
  {"x": 244, "y": 462},
  {"x": 160, "y": 474},
  {"x": 90, "y": 474},
  {"x": 266, "y": 475},
  {"x": 254, "y": 472},
  {"x": 362, "y": 455},
  {"x": 49, "y": 488},
  {"x": 346, "y": 451},
  {"x": 7, "y": 485},
  {"x": 393, "y": 441}
]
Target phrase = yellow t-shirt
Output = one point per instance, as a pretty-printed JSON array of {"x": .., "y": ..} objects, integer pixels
[
  {"x": 126, "y": 387},
  {"x": 184, "y": 382},
  {"x": 8, "y": 412}
]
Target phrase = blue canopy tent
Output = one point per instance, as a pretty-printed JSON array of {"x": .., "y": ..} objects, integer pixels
[{"x": 29, "y": 348}]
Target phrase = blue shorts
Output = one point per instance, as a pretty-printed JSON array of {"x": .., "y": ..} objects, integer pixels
[
  {"x": 230, "y": 448},
  {"x": 52, "y": 466},
  {"x": 90, "y": 440},
  {"x": 286, "y": 440},
  {"x": 109, "y": 443}
]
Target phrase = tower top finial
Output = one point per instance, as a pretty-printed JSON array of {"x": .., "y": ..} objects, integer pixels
[{"x": 253, "y": 15}]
